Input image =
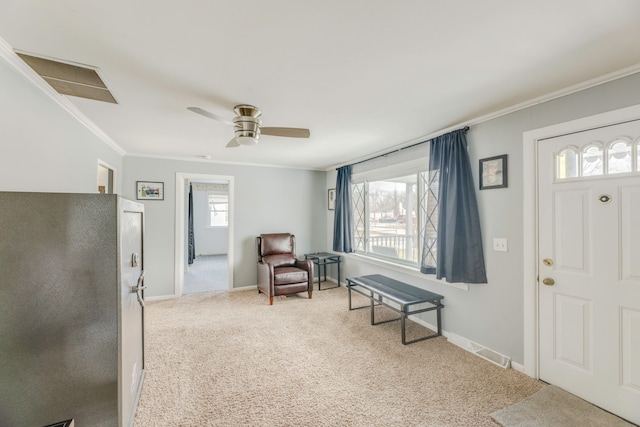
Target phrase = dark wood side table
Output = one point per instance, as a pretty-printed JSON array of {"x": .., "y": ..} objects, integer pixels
[{"x": 322, "y": 259}]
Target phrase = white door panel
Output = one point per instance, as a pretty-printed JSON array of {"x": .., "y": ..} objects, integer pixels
[
  {"x": 572, "y": 314},
  {"x": 631, "y": 349},
  {"x": 570, "y": 233},
  {"x": 589, "y": 260},
  {"x": 630, "y": 235}
]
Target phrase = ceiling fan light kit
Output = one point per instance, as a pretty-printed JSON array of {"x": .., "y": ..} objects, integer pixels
[
  {"x": 246, "y": 140},
  {"x": 247, "y": 126}
]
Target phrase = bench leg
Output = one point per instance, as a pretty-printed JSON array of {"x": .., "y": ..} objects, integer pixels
[
  {"x": 438, "y": 334},
  {"x": 373, "y": 321},
  {"x": 403, "y": 328}
]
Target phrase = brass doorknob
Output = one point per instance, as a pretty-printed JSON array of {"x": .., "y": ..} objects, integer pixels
[{"x": 548, "y": 281}]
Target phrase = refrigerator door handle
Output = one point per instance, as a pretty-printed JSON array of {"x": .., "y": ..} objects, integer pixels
[{"x": 139, "y": 288}]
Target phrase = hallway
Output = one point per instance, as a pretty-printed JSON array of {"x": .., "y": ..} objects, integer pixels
[{"x": 208, "y": 273}]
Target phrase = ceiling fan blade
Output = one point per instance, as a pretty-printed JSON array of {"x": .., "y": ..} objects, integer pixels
[
  {"x": 210, "y": 115},
  {"x": 288, "y": 132},
  {"x": 233, "y": 143}
]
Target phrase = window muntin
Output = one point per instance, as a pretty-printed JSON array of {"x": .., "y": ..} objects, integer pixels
[
  {"x": 429, "y": 209},
  {"x": 359, "y": 212},
  {"x": 592, "y": 161},
  {"x": 218, "y": 210},
  {"x": 388, "y": 216},
  {"x": 619, "y": 157},
  {"x": 567, "y": 163}
]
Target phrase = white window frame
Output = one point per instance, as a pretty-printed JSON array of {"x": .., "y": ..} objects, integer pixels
[{"x": 210, "y": 210}]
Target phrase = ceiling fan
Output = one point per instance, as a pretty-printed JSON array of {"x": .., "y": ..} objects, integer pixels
[{"x": 248, "y": 126}]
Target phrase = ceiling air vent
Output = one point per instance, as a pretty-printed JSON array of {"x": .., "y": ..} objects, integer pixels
[{"x": 70, "y": 79}]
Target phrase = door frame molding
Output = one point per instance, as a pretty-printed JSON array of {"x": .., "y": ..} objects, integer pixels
[
  {"x": 180, "y": 227},
  {"x": 530, "y": 141}
]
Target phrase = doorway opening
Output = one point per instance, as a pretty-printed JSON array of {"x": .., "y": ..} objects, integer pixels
[
  {"x": 106, "y": 178},
  {"x": 204, "y": 233}
]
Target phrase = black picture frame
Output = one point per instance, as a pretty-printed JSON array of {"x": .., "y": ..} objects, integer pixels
[
  {"x": 493, "y": 172},
  {"x": 149, "y": 190}
]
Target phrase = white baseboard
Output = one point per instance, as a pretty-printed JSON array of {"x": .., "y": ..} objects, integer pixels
[
  {"x": 330, "y": 279},
  {"x": 244, "y": 288},
  {"x": 159, "y": 298},
  {"x": 518, "y": 367},
  {"x": 165, "y": 297},
  {"x": 472, "y": 347}
]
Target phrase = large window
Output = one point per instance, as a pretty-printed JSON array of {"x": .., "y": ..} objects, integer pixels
[
  {"x": 425, "y": 219},
  {"x": 390, "y": 216},
  {"x": 218, "y": 210}
]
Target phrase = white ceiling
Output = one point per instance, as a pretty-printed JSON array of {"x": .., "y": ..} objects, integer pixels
[{"x": 363, "y": 76}]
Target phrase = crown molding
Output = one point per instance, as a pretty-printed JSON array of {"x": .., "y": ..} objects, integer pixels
[
  {"x": 222, "y": 162},
  {"x": 12, "y": 59},
  {"x": 587, "y": 84}
]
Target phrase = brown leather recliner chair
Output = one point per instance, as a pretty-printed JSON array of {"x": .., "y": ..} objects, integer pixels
[{"x": 279, "y": 271}]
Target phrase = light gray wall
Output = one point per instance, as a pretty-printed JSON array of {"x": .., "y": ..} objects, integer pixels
[
  {"x": 492, "y": 314},
  {"x": 209, "y": 240},
  {"x": 266, "y": 200},
  {"x": 42, "y": 147}
]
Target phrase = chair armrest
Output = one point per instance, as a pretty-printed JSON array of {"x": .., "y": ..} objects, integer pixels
[
  {"x": 306, "y": 264},
  {"x": 265, "y": 278}
]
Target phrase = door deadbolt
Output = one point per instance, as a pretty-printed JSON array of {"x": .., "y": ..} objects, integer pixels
[
  {"x": 548, "y": 262},
  {"x": 548, "y": 281}
]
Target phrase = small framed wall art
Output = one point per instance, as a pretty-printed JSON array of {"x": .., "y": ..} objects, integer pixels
[
  {"x": 493, "y": 172},
  {"x": 148, "y": 190},
  {"x": 332, "y": 199}
]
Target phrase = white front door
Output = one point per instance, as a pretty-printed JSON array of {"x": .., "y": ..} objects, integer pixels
[{"x": 589, "y": 266}]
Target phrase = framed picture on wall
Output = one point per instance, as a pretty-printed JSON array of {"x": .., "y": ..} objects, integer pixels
[
  {"x": 148, "y": 190},
  {"x": 493, "y": 172},
  {"x": 332, "y": 199}
]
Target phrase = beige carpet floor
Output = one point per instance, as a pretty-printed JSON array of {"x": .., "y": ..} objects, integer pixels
[{"x": 230, "y": 359}]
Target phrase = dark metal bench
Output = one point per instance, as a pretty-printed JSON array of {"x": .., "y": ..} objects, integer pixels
[{"x": 411, "y": 300}]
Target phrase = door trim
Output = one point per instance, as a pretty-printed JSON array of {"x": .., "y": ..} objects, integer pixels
[
  {"x": 180, "y": 226},
  {"x": 530, "y": 218}
]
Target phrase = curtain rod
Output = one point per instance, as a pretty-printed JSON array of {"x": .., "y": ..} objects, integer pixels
[{"x": 464, "y": 129}]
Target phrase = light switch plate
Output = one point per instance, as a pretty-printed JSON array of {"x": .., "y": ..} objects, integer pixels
[{"x": 499, "y": 244}]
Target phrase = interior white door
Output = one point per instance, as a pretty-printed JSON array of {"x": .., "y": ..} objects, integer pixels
[{"x": 589, "y": 266}]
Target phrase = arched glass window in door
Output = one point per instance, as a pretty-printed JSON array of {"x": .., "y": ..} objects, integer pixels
[
  {"x": 592, "y": 160},
  {"x": 619, "y": 157},
  {"x": 567, "y": 163}
]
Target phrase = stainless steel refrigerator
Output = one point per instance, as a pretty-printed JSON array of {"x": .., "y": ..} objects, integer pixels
[{"x": 71, "y": 309}]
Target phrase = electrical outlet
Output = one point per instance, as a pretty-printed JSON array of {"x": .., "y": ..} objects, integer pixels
[{"x": 499, "y": 244}]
